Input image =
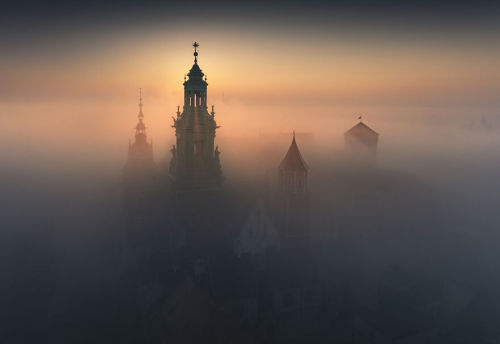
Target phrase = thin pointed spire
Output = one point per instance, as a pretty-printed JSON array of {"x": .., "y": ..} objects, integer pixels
[
  {"x": 141, "y": 115},
  {"x": 140, "y": 128}
]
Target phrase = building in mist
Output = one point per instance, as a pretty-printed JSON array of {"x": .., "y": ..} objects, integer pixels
[
  {"x": 361, "y": 143},
  {"x": 211, "y": 253},
  {"x": 195, "y": 164},
  {"x": 258, "y": 235},
  {"x": 139, "y": 169},
  {"x": 293, "y": 197}
]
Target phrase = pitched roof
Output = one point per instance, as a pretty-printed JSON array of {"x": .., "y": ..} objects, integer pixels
[
  {"x": 293, "y": 160},
  {"x": 361, "y": 127}
]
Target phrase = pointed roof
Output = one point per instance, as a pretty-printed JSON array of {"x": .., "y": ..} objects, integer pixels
[
  {"x": 293, "y": 160},
  {"x": 361, "y": 127}
]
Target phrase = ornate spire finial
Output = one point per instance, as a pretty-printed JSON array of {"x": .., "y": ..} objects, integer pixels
[
  {"x": 195, "y": 45},
  {"x": 360, "y": 118},
  {"x": 141, "y": 116},
  {"x": 294, "y": 135}
]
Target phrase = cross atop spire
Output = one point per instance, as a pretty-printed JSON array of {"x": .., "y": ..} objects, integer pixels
[{"x": 195, "y": 45}]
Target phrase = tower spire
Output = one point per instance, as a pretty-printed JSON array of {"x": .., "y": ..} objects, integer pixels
[
  {"x": 141, "y": 115},
  {"x": 140, "y": 128}
]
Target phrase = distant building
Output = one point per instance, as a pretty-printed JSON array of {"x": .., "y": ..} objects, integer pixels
[
  {"x": 140, "y": 166},
  {"x": 195, "y": 164},
  {"x": 293, "y": 196},
  {"x": 361, "y": 142},
  {"x": 258, "y": 235}
]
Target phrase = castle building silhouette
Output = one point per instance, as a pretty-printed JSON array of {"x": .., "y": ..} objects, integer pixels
[{"x": 203, "y": 257}]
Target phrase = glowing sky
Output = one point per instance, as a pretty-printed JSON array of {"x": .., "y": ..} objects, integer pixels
[{"x": 71, "y": 72}]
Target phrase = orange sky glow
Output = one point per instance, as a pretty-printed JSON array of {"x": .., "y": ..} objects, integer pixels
[{"x": 83, "y": 93}]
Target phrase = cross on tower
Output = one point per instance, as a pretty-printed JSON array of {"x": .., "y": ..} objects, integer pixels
[{"x": 195, "y": 45}]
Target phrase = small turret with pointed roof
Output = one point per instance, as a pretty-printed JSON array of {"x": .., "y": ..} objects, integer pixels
[
  {"x": 293, "y": 199},
  {"x": 293, "y": 170}
]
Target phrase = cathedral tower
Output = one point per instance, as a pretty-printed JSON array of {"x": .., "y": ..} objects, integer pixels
[
  {"x": 139, "y": 169},
  {"x": 195, "y": 164}
]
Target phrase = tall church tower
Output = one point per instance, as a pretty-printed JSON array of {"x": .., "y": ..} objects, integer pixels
[
  {"x": 140, "y": 167},
  {"x": 195, "y": 164}
]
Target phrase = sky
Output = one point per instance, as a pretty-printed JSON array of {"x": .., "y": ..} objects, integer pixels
[{"x": 71, "y": 70}]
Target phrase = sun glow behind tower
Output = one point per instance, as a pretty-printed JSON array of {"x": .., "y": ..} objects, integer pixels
[{"x": 71, "y": 81}]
